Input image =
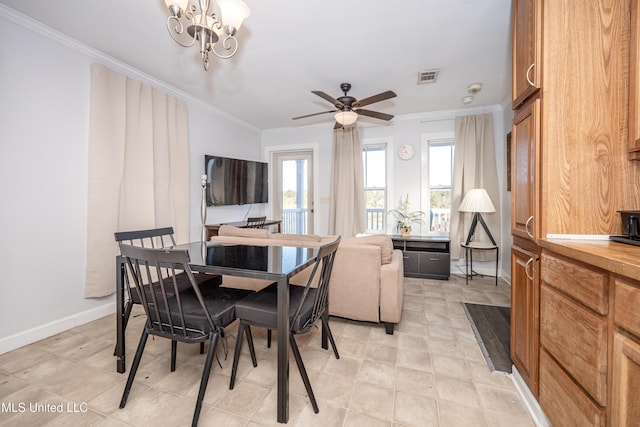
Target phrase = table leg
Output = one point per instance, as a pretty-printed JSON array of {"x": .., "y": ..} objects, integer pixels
[
  {"x": 283, "y": 350},
  {"x": 120, "y": 315}
]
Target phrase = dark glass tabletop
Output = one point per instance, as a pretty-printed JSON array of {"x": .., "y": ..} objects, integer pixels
[{"x": 266, "y": 259}]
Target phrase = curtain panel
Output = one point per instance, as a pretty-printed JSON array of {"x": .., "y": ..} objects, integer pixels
[
  {"x": 138, "y": 169},
  {"x": 474, "y": 166},
  {"x": 346, "y": 205}
]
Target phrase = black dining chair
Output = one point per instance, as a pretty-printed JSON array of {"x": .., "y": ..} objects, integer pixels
[
  {"x": 256, "y": 222},
  {"x": 158, "y": 238},
  {"x": 307, "y": 305},
  {"x": 192, "y": 315}
]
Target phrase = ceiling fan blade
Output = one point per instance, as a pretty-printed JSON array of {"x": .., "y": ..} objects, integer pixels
[
  {"x": 337, "y": 126},
  {"x": 314, "y": 114},
  {"x": 375, "y": 98},
  {"x": 375, "y": 114},
  {"x": 329, "y": 98}
]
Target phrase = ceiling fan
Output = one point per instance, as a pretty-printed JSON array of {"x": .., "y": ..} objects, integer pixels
[{"x": 348, "y": 108}]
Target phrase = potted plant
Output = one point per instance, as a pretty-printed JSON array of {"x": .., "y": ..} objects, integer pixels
[{"x": 406, "y": 217}]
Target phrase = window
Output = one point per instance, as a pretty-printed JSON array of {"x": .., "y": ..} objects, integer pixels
[
  {"x": 440, "y": 184},
  {"x": 374, "y": 159}
]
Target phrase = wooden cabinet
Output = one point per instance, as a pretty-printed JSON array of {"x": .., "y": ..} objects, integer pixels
[
  {"x": 625, "y": 399},
  {"x": 634, "y": 83},
  {"x": 526, "y": 49},
  {"x": 570, "y": 167},
  {"x": 525, "y": 313},
  {"x": 625, "y": 402},
  {"x": 525, "y": 143}
]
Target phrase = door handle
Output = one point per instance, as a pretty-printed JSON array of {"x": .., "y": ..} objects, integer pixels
[
  {"x": 526, "y": 226},
  {"x": 532, "y": 84},
  {"x": 526, "y": 269}
]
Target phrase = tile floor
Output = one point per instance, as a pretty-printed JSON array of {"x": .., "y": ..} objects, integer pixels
[{"x": 429, "y": 373}]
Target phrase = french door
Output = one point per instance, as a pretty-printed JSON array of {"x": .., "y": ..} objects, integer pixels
[{"x": 293, "y": 191}]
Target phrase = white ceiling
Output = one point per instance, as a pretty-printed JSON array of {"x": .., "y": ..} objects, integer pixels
[{"x": 290, "y": 47}]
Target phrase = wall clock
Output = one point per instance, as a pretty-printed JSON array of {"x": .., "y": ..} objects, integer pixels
[{"x": 405, "y": 152}]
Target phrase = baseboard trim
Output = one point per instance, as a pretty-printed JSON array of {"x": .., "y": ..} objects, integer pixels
[
  {"x": 529, "y": 400},
  {"x": 47, "y": 330}
]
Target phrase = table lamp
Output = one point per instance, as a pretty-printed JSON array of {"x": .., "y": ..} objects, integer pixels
[{"x": 477, "y": 201}]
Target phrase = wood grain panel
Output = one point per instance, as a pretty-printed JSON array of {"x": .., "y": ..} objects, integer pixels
[
  {"x": 577, "y": 339},
  {"x": 627, "y": 312},
  {"x": 625, "y": 404},
  {"x": 586, "y": 175},
  {"x": 586, "y": 285},
  {"x": 564, "y": 403}
]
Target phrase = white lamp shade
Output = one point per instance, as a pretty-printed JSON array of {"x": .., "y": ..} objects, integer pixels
[
  {"x": 182, "y": 4},
  {"x": 233, "y": 12},
  {"x": 477, "y": 200},
  {"x": 346, "y": 118}
]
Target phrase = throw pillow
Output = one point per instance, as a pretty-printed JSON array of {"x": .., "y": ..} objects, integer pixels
[
  {"x": 296, "y": 237},
  {"x": 256, "y": 233},
  {"x": 382, "y": 240}
]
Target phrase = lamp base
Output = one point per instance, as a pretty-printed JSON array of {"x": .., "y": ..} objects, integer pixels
[{"x": 478, "y": 218}]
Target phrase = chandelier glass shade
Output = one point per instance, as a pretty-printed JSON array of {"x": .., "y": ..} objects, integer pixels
[
  {"x": 214, "y": 31},
  {"x": 346, "y": 118}
]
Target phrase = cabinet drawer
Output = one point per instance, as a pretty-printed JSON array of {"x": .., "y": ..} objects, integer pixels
[
  {"x": 435, "y": 263},
  {"x": 586, "y": 285},
  {"x": 411, "y": 262},
  {"x": 627, "y": 312},
  {"x": 564, "y": 403},
  {"x": 577, "y": 339}
]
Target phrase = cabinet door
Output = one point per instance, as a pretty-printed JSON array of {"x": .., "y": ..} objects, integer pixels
[
  {"x": 524, "y": 154},
  {"x": 526, "y": 49},
  {"x": 634, "y": 84},
  {"x": 625, "y": 403},
  {"x": 525, "y": 307}
]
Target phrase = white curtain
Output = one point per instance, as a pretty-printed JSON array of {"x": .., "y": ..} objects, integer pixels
[
  {"x": 138, "y": 169},
  {"x": 474, "y": 166},
  {"x": 346, "y": 206}
]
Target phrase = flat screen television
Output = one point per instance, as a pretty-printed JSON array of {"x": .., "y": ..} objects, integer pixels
[{"x": 235, "y": 181}]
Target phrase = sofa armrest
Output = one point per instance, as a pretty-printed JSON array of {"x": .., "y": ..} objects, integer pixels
[{"x": 392, "y": 289}]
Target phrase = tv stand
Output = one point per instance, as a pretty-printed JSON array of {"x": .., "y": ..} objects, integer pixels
[{"x": 212, "y": 229}]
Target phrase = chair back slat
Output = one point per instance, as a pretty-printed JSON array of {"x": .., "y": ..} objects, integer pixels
[
  {"x": 323, "y": 267},
  {"x": 152, "y": 238},
  {"x": 153, "y": 272},
  {"x": 256, "y": 221}
]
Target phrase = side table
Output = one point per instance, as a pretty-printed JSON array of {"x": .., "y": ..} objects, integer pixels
[{"x": 468, "y": 258}]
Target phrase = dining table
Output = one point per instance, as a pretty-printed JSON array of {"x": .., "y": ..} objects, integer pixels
[{"x": 274, "y": 263}]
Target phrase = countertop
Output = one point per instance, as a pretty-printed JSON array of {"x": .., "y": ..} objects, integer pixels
[{"x": 618, "y": 258}]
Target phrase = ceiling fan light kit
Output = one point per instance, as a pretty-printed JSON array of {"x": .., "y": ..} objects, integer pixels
[
  {"x": 348, "y": 108},
  {"x": 346, "y": 118},
  {"x": 207, "y": 27}
]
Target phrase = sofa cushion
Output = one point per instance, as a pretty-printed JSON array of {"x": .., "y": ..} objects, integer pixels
[
  {"x": 228, "y": 230},
  {"x": 295, "y": 237},
  {"x": 382, "y": 240}
]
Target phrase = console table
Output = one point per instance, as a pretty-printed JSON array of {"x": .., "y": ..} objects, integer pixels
[
  {"x": 212, "y": 229},
  {"x": 427, "y": 257}
]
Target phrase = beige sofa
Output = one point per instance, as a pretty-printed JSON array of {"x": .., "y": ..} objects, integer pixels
[{"x": 367, "y": 279}]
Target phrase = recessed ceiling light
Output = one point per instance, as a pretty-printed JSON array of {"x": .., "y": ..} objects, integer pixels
[
  {"x": 466, "y": 100},
  {"x": 474, "y": 88}
]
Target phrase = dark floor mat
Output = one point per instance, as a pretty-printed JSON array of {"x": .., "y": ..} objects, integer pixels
[{"x": 491, "y": 326}]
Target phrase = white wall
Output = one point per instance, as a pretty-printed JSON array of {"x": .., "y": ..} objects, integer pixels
[
  {"x": 404, "y": 174},
  {"x": 44, "y": 121}
]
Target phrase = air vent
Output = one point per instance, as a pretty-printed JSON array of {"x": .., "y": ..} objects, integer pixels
[{"x": 428, "y": 76}]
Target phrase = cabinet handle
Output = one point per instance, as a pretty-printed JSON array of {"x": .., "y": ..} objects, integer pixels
[
  {"x": 526, "y": 226},
  {"x": 528, "y": 71},
  {"x": 526, "y": 269}
]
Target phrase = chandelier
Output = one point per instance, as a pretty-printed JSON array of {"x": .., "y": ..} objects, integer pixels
[{"x": 206, "y": 27}]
